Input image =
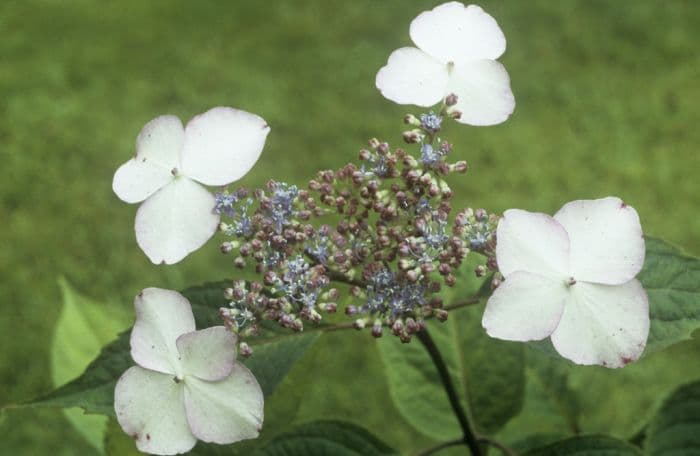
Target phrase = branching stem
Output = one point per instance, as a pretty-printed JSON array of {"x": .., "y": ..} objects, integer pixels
[
  {"x": 440, "y": 447},
  {"x": 469, "y": 438}
]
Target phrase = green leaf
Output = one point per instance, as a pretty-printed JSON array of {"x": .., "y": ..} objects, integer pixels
[
  {"x": 117, "y": 442},
  {"x": 488, "y": 374},
  {"x": 322, "y": 438},
  {"x": 83, "y": 327},
  {"x": 551, "y": 408},
  {"x": 94, "y": 390},
  {"x": 672, "y": 281},
  {"x": 592, "y": 445},
  {"x": 551, "y": 376},
  {"x": 675, "y": 429}
]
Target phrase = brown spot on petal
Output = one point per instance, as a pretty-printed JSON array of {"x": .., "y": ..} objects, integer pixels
[
  {"x": 135, "y": 435},
  {"x": 148, "y": 436},
  {"x": 623, "y": 205},
  {"x": 626, "y": 360}
]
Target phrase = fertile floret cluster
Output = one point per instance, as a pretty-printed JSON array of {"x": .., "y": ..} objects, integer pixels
[{"x": 381, "y": 227}]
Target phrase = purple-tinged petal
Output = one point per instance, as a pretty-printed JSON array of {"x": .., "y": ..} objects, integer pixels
[
  {"x": 603, "y": 324},
  {"x": 225, "y": 411},
  {"x": 161, "y": 317},
  {"x": 208, "y": 354},
  {"x": 525, "y": 307},
  {"x": 150, "y": 408}
]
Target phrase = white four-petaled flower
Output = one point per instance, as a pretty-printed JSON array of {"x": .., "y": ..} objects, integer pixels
[
  {"x": 457, "y": 50},
  {"x": 216, "y": 148},
  {"x": 571, "y": 277},
  {"x": 187, "y": 385}
]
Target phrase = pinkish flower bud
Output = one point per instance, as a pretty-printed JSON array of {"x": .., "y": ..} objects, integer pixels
[
  {"x": 360, "y": 323},
  {"x": 377, "y": 329},
  {"x": 451, "y": 99},
  {"x": 245, "y": 350}
]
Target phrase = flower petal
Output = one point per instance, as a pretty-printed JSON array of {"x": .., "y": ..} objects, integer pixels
[
  {"x": 525, "y": 307},
  {"x": 532, "y": 242},
  {"x": 222, "y": 145},
  {"x": 208, "y": 354},
  {"x": 607, "y": 244},
  {"x": 176, "y": 220},
  {"x": 225, "y": 411},
  {"x": 483, "y": 92},
  {"x": 158, "y": 147},
  {"x": 412, "y": 77},
  {"x": 161, "y": 317},
  {"x": 150, "y": 408},
  {"x": 456, "y": 33},
  {"x": 136, "y": 180},
  {"x": 604, "y": 324}
]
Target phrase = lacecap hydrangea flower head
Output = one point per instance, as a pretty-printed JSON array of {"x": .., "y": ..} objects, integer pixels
[
  {"x": 177, "y": 215},
  {"x": 187, "y": 384},
  {"x": 457, "y": 48},
  {"x": 571, "y": 278}
]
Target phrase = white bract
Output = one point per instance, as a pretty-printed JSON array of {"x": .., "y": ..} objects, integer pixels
[
  {"x": 216, "y": 148},
  {"x": 457, "y": 50},
  {"x": 571, "y": 277},
  {"x": 187, "y": 385}
]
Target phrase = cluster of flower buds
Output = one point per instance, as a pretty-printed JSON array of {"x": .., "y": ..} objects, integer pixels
[
  {"x": 477, "y": 229},
  {"x": 383, "y": 227}
]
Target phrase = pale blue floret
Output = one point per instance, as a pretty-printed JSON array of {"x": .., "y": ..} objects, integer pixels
[
  {"x": 431, "y": 121},
  {"x": 435, "y": 232},
  {"x": 281, "y": 208},
  {"x": 317, "y": 247},
  {"x": 225, "y": 204},
  {"x": 241, "y": 224},
  {"x": 478, "y": 240},
  {"x": 377, "y": 166},
  {"x": 429, "y": 156},
  {"x": 298, "y": 285},
  {"x": 390, "y": 297}
]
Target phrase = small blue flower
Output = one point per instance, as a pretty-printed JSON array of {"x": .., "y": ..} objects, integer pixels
[
  {"x": 376, "y": 166},
  {"x": 431, "y": 121},
  {"x": 318, "y": 247},
  {"x": 388, "y": 296},
  {"x": 241, "y": 224},
  {"x": 434, "y": 231},
  {"x": 272, "y": 257},
  {"x": 224, "y": 203},
  {"x": 429, "y": 156},
  {"x": 478, "y": 240},
  {"x": 423, "y": 206},
  {"x": 281, "y": 208},
  {"x": 300, "y": 284}
]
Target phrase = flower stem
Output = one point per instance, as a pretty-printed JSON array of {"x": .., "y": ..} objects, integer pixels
[
  {"x": 439, "y": 447},
  {"x": 504, "y": 449},
  {"x": 469, "y": 438}
]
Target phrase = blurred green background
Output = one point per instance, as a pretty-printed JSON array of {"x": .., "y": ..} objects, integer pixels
[{"x": 607, "y": 104}]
